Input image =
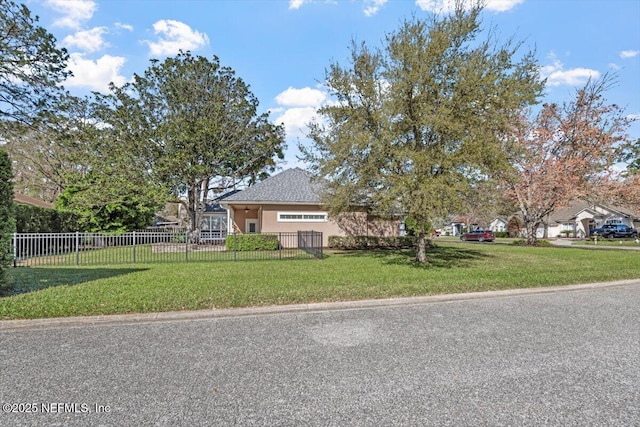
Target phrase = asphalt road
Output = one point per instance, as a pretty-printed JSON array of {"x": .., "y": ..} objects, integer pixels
[{"x": 566, "y": 358}]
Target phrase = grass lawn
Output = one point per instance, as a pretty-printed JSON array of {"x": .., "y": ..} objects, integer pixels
[{"x": 454, "y": 267}]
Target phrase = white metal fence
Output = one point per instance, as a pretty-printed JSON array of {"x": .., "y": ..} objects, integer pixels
[{"x": 33, "y": 249}]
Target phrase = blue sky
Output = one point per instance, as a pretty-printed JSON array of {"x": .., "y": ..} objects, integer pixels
[{"x": 282, "y": 47}]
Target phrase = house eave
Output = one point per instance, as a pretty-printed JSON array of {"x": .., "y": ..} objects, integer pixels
[{"x": 269, "y": 202}]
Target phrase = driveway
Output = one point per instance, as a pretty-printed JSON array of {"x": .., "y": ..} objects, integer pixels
[{"x": 560, "y": 358}]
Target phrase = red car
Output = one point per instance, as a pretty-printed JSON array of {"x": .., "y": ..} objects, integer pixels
[{"x": 478, "y": 235}]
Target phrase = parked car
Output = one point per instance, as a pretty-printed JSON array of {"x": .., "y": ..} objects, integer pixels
[
  {"x": 615, "y": 230},
  {"x": 478, "y": 235}
]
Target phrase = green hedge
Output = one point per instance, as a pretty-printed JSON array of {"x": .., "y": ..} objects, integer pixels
[
  {"x": 252, "y": 242},
  {"x": 370, "y": 242},
  {"x": 502, "y": 234},
  {"x": 33, "y": 219}
]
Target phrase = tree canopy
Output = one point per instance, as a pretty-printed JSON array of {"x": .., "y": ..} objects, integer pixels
[
  {"x": 194, "y": 126},
  {"x": 562, "y": 153},
  {"x": 631, "y": 155},
  {"x": 31, "y": 66},
  {"x": 417, "y": 121}
]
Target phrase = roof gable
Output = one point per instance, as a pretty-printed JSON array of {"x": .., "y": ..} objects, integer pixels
[
  {"x": 28, "y": 200},
  {"x": 214, "y": 205},
  {"x": 576, "y": 207},
  {"x": 289, "y": 186}
]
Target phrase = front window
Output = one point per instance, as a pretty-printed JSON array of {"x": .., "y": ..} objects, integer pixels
[{"x": 302, "y": 216}]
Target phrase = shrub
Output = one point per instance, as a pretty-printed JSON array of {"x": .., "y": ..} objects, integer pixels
[
  {"x": 252, "y": 242},
  {"x": 370, "y": 242},
  {"x": 501, "y": 234},
  {"x": 33, "y": 219},
  {"x": 539, "y": 242}
]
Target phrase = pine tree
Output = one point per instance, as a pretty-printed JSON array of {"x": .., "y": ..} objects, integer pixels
[{"x": 7, "y": 220}]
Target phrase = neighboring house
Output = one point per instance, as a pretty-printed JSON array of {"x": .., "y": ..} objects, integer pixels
[
  {"x": 168, "y": 218},
  {"x": 290, "y": 201},
  {"x": 213, "y": 221},
  {"x": 576, "y": 220},
  {"x": 32, "y": 201},
  {"x": 459, "y": 223},
  {"x": 499, "y": 224},
  {"x": 580, "y": 217}
]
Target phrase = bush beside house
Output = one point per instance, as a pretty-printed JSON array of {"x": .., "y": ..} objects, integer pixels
[
  {"x": 252, "y": 242},
  {"x": 371, "y": 242}
]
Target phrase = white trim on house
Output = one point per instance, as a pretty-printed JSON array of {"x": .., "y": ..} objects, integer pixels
[
  {"x": 302, "y": 216},
  {"x": 248, "y": 223}
]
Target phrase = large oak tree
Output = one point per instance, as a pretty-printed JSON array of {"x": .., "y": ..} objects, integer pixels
[
  {"x": 194, "y": 126},
  {"x": 417, "y": 121}
]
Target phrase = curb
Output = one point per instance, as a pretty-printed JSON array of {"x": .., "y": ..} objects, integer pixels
[{"x": 173, "y": 316}]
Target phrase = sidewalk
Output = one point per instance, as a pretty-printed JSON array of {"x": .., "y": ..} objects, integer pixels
[{"x": 602, "y": 244}]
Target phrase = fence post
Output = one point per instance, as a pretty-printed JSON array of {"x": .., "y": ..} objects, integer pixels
[
  {"x": 77, "y": 248},
  {"x": 186, "y": 245},
  {"x": 279, "y": 245},
  {"x": 235, "y": 246},
  {"x": 134, "y": 247},
  {"x": 15, "y": 250}
]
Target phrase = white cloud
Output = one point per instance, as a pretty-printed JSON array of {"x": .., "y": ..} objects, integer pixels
[
  {"x": 124, "y": 26},
  {"x": 175, "y": 35},
  {"x": 629, "y": 54},
  {"x": 502, "y": 5},
  {"x": 634, "y": 117},
  {"x": 373, "y": 6},
  {"x": 299, "y": 108},
  {"x": 295, "y": 120},
  {"x": 74, "y": 12},
  {"x": 95, "y": 75},
  {"x": 448, "y": 6},
  {"x": 556, "y": 75},
  {"x": 295, "y": 4},
  {"x": 305, "y": 97},
  {"x": 88, "y": 40}
]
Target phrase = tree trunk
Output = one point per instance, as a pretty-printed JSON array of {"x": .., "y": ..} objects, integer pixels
[
  {"x": 421, "y": 253},
  {"x": 194, "y": 212},
  {"x": 531, "y": 232}
]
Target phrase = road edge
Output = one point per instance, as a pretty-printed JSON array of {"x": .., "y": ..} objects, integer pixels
[{"x": 137, "y": 318}]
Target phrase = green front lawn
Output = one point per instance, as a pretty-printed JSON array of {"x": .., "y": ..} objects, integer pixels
[{"x": 454, "y": 267}]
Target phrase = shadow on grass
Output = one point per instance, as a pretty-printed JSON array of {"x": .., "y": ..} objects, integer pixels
[
  {"x": 437, "y": 257},
  {"x": 27, "y": 279}
]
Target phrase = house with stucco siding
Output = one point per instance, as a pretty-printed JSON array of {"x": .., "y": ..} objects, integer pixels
[{"x": 290, "y": 201}]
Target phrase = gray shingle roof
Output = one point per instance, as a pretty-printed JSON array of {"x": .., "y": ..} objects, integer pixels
[{"x": 289, "y": 186}]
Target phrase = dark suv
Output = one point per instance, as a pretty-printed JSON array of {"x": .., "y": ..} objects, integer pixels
[{"x": 615, "y": 230}]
